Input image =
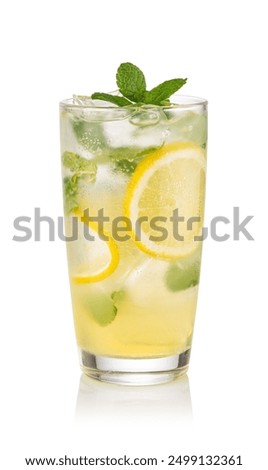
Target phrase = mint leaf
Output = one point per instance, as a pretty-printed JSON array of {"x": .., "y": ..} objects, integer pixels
[
  {"x": 183, "y": 274},
  {"x": 144, "y": 152},
  {"x": 132, "y": 85},
  {"x": 102, "y": 308},
  {"x": 118, "y": 296},
  {"x": 79, "y": 165},
  {"x": 126, "y": 166},
  {"x": 89, "y": 135},
  {"x": 131, "y": 82},
  {"x": 177, "y": 279},
  {"x": 118, "y": 100},
  {"x": 163, "y": 91},
  {"x": 127, "y": 158},
  {"x": 70, "y": 191},
  {"x": 122, "y": 153},
  {"x": 129, "y": 153},
  {"x": 81, "y": 168}
]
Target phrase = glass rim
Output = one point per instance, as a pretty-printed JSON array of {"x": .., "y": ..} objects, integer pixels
[{"x": 180, "y": 102}]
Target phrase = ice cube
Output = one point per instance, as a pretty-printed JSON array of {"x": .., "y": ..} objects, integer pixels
[
  {"x": 143, "y": 128},
  {"x": 99, "y": 110},
  {"x": 146, "y": 282},
  {"x": 187, "y": 126},
  {"x": 89, "y": 135},
  {"x": 145, "y": 117},
  {"x": 83, "y": 100}
]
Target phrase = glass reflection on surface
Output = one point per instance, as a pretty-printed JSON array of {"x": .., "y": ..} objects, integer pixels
[{"x": 105, "y": 403}]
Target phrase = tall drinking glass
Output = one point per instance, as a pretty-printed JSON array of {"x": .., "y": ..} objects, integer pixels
[{"x": 134, "y": 186}]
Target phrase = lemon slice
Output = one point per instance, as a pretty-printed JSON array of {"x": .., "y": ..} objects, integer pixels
[
  {"x": 169, "y": 179},
  {"x": 91, "y": 259}
]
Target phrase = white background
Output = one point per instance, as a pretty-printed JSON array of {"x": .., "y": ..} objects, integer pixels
[{"x": 51, "y": 50}]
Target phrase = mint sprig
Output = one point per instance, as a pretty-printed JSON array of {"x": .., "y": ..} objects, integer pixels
[
  {"x": 118, "y": 100},
  {"x": 70, "y": 191},
  {"x": 78, "y": 164},
  {"x": 184, "y": 273},
  {"x": 131, "y": 82},
  {"x": 89, "y": 135},
  {"x": 126, "y": 159},
  {"x": 80, "y": 167},
  {"x": 163, "y": 91},
  {"x": 132, "y": 86},
  {"x": 103, "y": 307}
]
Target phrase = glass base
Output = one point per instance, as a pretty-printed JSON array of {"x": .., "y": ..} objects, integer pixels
[{"x": 134, "y": 371}]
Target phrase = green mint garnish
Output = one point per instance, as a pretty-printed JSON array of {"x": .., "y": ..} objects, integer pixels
[
  {"x": 183, "y": 274},
  {"x": 79, "y": 165},
  {"x": 163, "y": 91},
  {"x": 89, "y": 135},
  {"x": 126, "y": 166},
  {"x": 132, "y": 85},
  {"x": 131, "y": 82},
  {"x": 70, "y": 191},
  {"x": 177, "y": 279},
  {"x": 117, "y": 296},
  {"x": 128, "y": 153},
  {"x": 118, "y": 100},
  {"x": 127, "y": 158},
  {"x": 81, "y": 168},
  {"x": 103, "y": 307}
]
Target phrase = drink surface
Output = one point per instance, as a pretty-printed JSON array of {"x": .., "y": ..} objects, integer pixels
[{"x": 134, "y": 287}]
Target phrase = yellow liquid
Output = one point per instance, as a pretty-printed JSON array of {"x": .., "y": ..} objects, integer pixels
[
  {"x": 135, "y": 312},
  {"x": 148, "y": 323},
  {"x": 151, "y": 320}
]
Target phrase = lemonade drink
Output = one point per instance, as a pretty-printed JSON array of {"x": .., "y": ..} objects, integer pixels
[{"x": 134, "y": 182}]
